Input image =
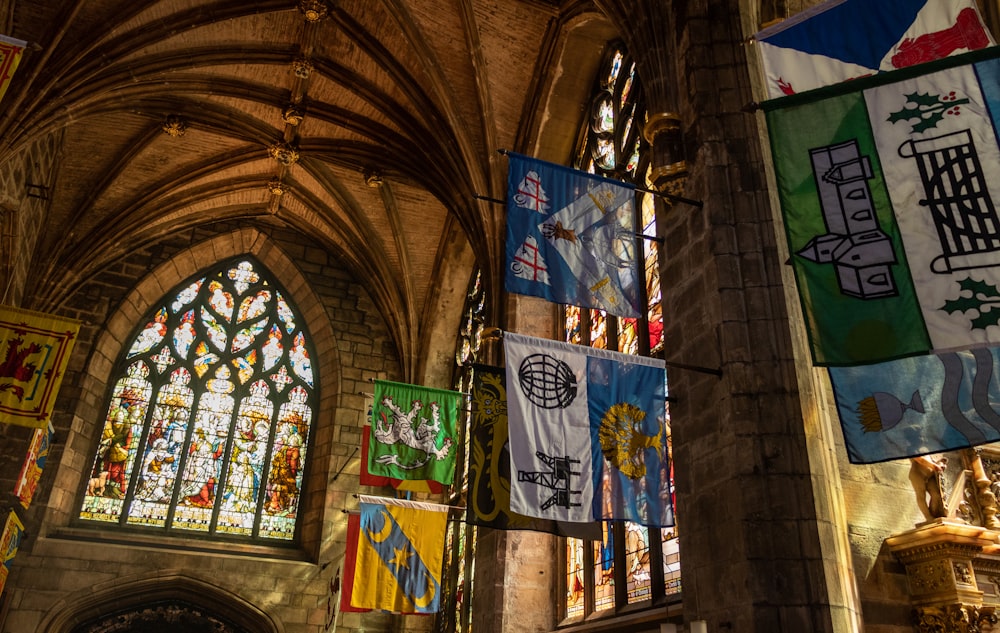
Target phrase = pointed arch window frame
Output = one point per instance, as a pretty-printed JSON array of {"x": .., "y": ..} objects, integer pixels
[{"x": 291, "y": 375}]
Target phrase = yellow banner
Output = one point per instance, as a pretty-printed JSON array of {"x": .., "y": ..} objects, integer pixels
[
  {"x": 399, "y": 556},
  {"x": 11, "y": 51},
  {"x": 34, "y": 464},
  {"x": 34, "y": 352},
  {"x": 10, "y": 541}
]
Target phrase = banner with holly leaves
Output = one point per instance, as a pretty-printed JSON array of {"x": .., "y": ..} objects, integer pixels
[{"x": 889, "y": 188}]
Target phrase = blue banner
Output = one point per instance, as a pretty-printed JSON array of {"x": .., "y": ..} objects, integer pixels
[{"x": 571, "y": 237}]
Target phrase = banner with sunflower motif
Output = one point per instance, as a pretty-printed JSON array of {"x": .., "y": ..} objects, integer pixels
[{"x": 588, "y": 436}]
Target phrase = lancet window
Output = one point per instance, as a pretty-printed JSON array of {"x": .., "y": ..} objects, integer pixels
[
  {"x": 207, "y": 426},
  {"x": 460, "y": 547},
  {"x": 631, "y": 564}
]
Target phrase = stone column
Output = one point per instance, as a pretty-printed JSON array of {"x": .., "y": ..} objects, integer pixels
[{"x": 761, "y": 538}]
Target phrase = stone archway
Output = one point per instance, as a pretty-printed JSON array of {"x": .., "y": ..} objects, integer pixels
[
  {"x": 164, "y": 617},
  {"x": 160, "y": 604}
]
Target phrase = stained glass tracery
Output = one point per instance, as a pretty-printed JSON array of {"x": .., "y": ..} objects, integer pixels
[
  {"x": 611, "y": 145},
  {"x": 207, "y": 427}
]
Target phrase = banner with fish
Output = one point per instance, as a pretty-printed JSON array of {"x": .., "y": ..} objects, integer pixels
[{"x": 919, "y": 405}]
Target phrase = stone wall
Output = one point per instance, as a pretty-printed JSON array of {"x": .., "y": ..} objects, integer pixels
[
  {"x": 27, "y": 181},
  {"x": 65, "y": 569}
]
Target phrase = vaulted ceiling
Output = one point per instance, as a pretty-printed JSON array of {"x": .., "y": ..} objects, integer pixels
[{"x": 370, "y": 126}]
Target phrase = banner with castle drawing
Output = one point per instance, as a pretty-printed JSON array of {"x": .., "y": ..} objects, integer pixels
[
  {"x": 413, "y": 433},
  {"x": 889, "y": 188},
  {"x": 35, "y": 351}
]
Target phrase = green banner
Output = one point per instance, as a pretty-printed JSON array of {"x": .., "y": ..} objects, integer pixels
[{"x": 413, "y": 434}]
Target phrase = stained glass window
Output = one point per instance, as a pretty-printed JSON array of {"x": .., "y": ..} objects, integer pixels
[
  {"x": 460, "y": 547},
  {"x": 209, "y": 418},
  {"x": 611, "y": 145}
]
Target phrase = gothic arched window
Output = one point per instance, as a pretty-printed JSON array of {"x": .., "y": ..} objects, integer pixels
[
  {"x": 460, "y": 547},
  {"x": 621, "y": 569},
  {"x": 210, "y": 413}
]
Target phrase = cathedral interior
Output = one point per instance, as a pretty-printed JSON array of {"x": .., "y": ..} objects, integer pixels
[{"x": 348, "y": 157}]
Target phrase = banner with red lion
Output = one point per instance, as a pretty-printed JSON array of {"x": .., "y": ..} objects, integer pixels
[{"x": 34, "y": 352}]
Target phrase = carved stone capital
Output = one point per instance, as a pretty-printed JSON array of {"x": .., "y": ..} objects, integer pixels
[
  {"x": 953, "y": 618},
  {"x": 668, "y": 164},
  {"x": 939, "y": 557}
]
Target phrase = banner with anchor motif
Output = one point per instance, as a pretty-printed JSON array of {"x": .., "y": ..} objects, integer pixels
[
  {"x": 571, "y": 237},
  {"x": 889, "y": 188},
  {"x": 588, "y": 437},
  {"x": 400, "y": 551},
  {"x": 413, "y": 432}
]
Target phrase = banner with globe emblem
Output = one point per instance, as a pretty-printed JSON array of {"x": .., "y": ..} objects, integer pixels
[{"x": 588, "y": 437}]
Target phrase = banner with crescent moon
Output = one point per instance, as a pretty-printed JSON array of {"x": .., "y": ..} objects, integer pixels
[{"x": 400, "y": 549}]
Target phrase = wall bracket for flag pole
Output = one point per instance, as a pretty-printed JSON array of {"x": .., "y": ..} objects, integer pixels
[
  {"x": 495, "y": 333},
  {"x": 704, "y": 370},
  {"x": 345, "y": 464},
  {"x": 489, "y": 199}
]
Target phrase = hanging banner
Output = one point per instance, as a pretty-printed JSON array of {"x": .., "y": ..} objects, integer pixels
[
  {"x": 11, "y": 51},
  {"x": 10, "y": 541},
  {"x": 34, "y": 464},
  {"x": 35, "y": 351}
]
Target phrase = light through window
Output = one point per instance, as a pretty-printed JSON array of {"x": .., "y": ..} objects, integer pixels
[
  {"x": 460, "y": 547},
  {"x": 207, "y": 426},
  {"x": 620, "y": 569}
]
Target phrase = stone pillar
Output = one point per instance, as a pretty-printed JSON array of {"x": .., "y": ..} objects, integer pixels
[
  {"x": 761, "y": 545},
  {"x": 669, "y": 168}
]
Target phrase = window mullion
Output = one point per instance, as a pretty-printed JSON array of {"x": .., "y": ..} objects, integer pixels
[
  {"x": 220, "y": 486},
  {"x": 657, "y": 588},
  {"x": 265, "y": 474},
  {"x": 621, "y": 569},
  {"x": 589, "y": 578},
  {"x": 137, "y": 464},
  {"x": 182, "y": 466}
]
